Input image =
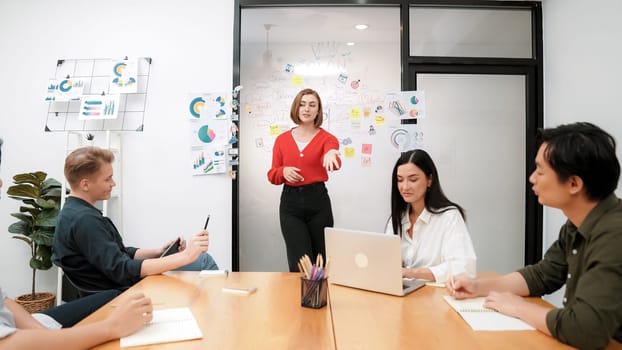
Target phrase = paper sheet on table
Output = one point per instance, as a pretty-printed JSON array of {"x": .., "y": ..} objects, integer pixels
[
  {"x": 168, "y": 325},
  {"x": 484, "y": 319}
]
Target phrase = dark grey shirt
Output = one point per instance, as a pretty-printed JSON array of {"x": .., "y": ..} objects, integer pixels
[
  {"x": 589, "y": 261},
  {"x": 90, "y": 250}
]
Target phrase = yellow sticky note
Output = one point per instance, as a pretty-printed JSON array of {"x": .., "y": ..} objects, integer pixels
[
  {"x": 379, "y": 120},
  {"x": 349, "y": 152},
  {"x": 355, "y": 113},
  {"x": 275, "y": 130},
  {"x": 297, "y": 80}
]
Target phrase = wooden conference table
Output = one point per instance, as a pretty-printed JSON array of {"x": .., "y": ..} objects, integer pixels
[{"x": 272, "y": 317}]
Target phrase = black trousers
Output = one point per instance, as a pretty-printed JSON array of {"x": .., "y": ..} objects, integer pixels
[
  {"x": 304, "y": 213},
  {"x": 74, "y": 311}
]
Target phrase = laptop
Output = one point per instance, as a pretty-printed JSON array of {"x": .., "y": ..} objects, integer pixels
[{"x": 367, "y": 260}]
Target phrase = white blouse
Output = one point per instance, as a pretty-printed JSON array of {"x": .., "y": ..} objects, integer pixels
[{"x": 440, "y": 242}]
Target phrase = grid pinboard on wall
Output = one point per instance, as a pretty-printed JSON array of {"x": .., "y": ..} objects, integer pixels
[{"x": 96, "y": 75}]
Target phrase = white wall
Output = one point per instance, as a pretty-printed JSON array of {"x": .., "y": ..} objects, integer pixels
[
  {"x": 191, "y": 45},
  {"x": 582, "y": 74}
]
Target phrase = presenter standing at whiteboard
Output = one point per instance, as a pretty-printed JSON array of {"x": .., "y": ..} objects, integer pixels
[
  {"x": 301, "y": 160},
  {"x": 435, "y": 241}
]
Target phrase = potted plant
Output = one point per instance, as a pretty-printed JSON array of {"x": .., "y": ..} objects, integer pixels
[{"x": 37, "y": 217}]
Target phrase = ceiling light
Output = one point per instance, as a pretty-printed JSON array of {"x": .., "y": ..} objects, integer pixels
[
  {"x": 361, "y": 26},
  {"x": 350, "y": 43}
]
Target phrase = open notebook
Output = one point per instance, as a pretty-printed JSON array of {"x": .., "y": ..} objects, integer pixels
[
  {"x": 484, "y": 319},
  {"x": 168, "y": 325}
]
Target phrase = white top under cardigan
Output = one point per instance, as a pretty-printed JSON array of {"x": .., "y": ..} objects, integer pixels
[{"x": 438, "y": 240}]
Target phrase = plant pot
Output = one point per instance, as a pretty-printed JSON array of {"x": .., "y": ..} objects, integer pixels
[{"x": 42, "y": 301}]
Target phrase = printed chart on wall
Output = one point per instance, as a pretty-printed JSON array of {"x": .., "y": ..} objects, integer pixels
[
  {"x": 94, "y": 107},
  {"x": 124, "y": 77},
  {"x": 210, "y": 132},
  {"x": 64, "y": 89},
  {"x": 409, "y": 107}
]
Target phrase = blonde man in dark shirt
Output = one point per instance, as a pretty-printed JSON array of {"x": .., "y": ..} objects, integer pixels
[
  {"x": 19, "y": 330},
  {"x": 577, "y": 171},
  {"x": 88, "y": 246}
]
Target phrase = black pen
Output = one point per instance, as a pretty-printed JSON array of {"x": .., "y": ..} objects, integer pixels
[{"x": 206, "y": 222}]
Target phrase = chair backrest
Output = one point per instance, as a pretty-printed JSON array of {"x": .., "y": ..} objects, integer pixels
[{"x": 82, "y": 292}]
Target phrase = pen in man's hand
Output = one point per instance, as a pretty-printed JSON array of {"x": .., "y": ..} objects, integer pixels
[{"x": 206, "y": 222}]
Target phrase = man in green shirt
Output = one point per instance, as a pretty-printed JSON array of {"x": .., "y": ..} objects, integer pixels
[{"x": 577, "y": 171}]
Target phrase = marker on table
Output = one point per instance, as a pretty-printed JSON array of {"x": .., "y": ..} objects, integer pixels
[
  {"x": 243, "y": 291},
  {"x": 206, "y": 222}
]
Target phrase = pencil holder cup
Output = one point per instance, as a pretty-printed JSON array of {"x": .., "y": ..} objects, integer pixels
[{"x": 313, "y": 293}]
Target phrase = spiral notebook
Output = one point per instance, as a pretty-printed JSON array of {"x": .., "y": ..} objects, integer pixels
[{"x": 484, "y": 319}]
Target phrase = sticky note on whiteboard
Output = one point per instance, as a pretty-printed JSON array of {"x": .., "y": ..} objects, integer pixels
[
  {"x": 349, "y": 152},
  {"x": 296, "y": 80},
  {"x": 275, "y": 130}
]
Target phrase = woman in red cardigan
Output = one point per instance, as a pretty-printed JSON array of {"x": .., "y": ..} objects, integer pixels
[{"x": 301, "y": 159}]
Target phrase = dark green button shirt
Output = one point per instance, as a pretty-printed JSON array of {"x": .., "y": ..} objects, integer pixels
[
  {"x": 589, "y": 261},
  {"x": 88, "y": 247}
]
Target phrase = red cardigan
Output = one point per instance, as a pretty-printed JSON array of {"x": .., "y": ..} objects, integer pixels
[{"x": 285, "y": 153}]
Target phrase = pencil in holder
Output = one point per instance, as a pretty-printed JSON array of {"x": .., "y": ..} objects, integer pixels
[{"x": 313, "y": 293}]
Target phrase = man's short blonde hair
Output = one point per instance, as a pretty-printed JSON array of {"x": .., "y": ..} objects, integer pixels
[{"x": 84, "y": 162}]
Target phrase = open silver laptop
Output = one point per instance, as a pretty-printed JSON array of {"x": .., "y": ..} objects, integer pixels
[{"x": 367, "y": 260}]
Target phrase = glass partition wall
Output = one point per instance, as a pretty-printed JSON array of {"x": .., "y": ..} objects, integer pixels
[{"x": 479, "y": 64}]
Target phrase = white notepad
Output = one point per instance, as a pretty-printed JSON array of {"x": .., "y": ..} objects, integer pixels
[
  {"x": 168, "y": 325},
  {"x": 484, "y": 319}
]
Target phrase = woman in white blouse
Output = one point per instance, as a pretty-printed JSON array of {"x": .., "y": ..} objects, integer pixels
[{"x": 435, "y": 241}]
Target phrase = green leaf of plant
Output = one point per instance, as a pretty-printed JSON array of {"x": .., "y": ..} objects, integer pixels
[
  {"x": 43, "y": 238},
  {"x": 46, "y": 263},
  {"x": 40, "y": 175},
  {"x": 23, "y": 191},
  {"x": 20, "y": 228},
  {"x": 47, "y": 218},
  {"x": 42, "y": 258},
  {"x": 30, "y": 178},
  {"x": 45, "y": 203},
  {"x": 50, "y": 183},
  {"x": 35, "y": 263},
  {"x": 24, "y": 239},
  {"x": 30, "y": 201},
  {"x": 34, "y": 212},
  {"x": 23, "y": 217},
  {"x": 52, "y": 193}
]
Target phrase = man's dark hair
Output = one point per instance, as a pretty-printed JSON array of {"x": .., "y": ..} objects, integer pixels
[{"x": 584, "y": 150}]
